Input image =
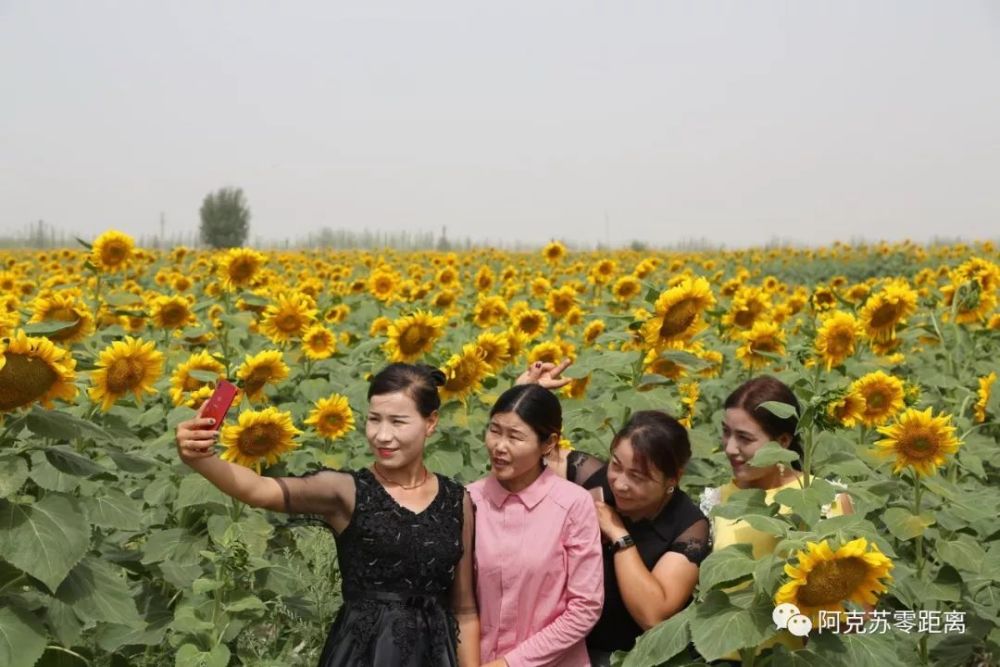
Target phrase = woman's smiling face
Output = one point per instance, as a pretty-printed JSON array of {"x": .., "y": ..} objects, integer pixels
[
  {"x": 742, "y": 436},
  {"x": 396, "y": 430},
  {"x": 638, "y": 489}
]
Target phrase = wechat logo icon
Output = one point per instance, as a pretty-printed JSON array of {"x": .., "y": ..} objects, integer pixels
[{"x": 786, "y": 616}]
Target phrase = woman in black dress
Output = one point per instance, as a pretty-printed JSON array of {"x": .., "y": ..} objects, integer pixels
[{"x": 404, "y": 536}]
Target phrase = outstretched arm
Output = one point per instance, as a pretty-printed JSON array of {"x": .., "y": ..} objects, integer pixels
[
  {"x": 196, "y": 441},
  {"x": 328, "y": 493}
]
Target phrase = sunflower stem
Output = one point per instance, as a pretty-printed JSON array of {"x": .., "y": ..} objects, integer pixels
[
  {"x": 917, "y": 506},
  {"x": 807, "y": 459},
  {"x": 236, "y": 510},
  {"x": 97, "y": 297},
  {"x": 224, "y": 332}
]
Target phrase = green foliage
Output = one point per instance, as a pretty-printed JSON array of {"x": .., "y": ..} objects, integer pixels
[{"x": 225, "y": 218}]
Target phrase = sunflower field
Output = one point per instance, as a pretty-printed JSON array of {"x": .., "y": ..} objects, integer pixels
[{"x": 112, "y": 552}]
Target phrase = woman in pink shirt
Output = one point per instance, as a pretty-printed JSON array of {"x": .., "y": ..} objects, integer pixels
[{"x": 540, "y": 577}]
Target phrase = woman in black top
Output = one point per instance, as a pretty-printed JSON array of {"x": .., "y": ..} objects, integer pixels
[{"x": 655, "y": 536}]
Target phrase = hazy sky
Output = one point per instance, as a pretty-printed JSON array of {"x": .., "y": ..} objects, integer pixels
[{"x": 738, "y": 121}]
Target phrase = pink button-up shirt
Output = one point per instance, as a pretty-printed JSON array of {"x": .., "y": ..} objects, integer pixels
[{"x": 540, "y": 577}]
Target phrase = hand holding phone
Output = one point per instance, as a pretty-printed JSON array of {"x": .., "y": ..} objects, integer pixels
[{"x": 219, "y": 403}]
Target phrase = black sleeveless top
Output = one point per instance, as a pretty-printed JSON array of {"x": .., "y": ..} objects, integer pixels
[
  {"x": 680, "y": 527},
  {"x": 397, "y": 567}
]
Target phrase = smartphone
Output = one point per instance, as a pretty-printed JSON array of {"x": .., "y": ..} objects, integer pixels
[
  {"x": 597, "y": 492},
  {"x": 219, "y": 402}
]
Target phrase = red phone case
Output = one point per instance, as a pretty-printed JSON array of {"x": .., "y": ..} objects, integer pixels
[{"x": 219, "y": 402}]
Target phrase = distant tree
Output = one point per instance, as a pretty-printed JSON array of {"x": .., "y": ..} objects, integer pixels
[{"x": 225, "y": 218}]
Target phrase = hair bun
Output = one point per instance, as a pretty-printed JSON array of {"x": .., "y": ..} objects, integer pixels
[{"x": 436, "y": 375}]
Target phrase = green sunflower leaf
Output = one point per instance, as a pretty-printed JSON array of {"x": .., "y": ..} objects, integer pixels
[
  {"x": 22, "y": 638},
  {"x": 45, "y": 539}
]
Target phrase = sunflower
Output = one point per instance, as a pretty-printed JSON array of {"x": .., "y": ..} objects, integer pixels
[
  {"x": 560, "y": 301},
  {"x": 983, "y": 396},
  {"x": 531, "y": 322},
  {"x": 64, "y": 307},
  {"x": 200, "y": 395},
  {"x": 332, "y": 417},
  {"x": 337, "y": 314},
  {"x": 823, "y": 298},
  {"x": 626, "y": 288},
  {"x": 549, "y": 351},
  {"x": 239, "y": 267},
  {"x": 888, "y": 308},
  {"x": 182, "y": 380},
  {"x": 847, "y": 410},
  {"x": 540, "y": 286},
  {"x": 679, "y": 313},
  {"x": 690, "y": 392},
  {"x": 603, "y": 271},
  {"x": 837, "y": 338},
  {"x": 447, "y": 278},
  {"x": 654, "y": 364},
  {"x": 379, "y": 326},
  {"x": 130, "y": 365},
  {"x": 9, "y": 282},
  {"x": 318, "y": 342},
  {"x": 258, "y": 437},
  {"x": 484, "y": 279},
  {"x": 495, "y": 349},
  {"x": 383, "y": 283},
  {"x": 444, "y": 299},
  {"x": 973, "y": 304},
  {"x": 748, "y": 305},
  {"x": 412, "y": 336},
  {"x": 883, "y": 396},
  {"x": 9, "y": 324},
  {"x": 824, "y": 579},
  {"x": 489, "y": 311},
  {"x": 516, "y": 341},
  {"x": 918, "y": 440},
  {"x": 288, "y": 317},
  {"x": 111, "y": 251},
  {"x": 259, "y": 370},
  {"x": 34, "y": 369},
  {"x": 171, "y": 312},
  {"x": 554, "y": 252},
  {"x": 593, "y": 331},
  {"x": 577, "y": 388},
  {"x": 765, "y": 338},
  {"x": 464, "y": 372}
]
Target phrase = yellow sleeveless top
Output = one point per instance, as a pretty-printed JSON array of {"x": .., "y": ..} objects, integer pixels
[{"x": 738, "y": 531}]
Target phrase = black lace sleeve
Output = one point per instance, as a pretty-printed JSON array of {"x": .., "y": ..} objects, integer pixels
[
  {"x": 694, "y": 543},
  {"x": 581, "y": 466},
  {"x": 323, "y": 492}
]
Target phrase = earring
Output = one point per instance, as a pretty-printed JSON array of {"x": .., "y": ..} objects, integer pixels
[{"x": 670, "y": 490}]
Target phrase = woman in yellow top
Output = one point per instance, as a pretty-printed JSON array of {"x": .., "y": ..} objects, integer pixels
[{"x": 746, "y": 428}]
